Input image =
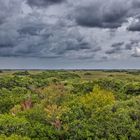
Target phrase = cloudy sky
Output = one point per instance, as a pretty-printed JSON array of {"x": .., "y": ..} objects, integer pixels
[{"x": 52, "y": 34}]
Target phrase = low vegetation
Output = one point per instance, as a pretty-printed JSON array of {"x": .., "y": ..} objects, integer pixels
[{"x": 70, "y": 105}]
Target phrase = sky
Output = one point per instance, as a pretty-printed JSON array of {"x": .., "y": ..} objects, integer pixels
[{"x": 69, "y": 34}]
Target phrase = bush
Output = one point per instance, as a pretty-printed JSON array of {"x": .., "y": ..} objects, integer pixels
[
  {"x": 14, "y": 125},
  {"x": 13, "y": 137}
]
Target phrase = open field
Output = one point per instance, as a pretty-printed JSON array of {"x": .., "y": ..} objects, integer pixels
[{"x": 69, "y": 105}]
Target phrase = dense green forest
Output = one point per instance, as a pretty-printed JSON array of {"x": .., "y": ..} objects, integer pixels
[{"x": 70, "y": 105}]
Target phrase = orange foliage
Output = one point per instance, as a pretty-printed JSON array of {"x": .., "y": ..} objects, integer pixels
[{"x": 26, "y": 104}]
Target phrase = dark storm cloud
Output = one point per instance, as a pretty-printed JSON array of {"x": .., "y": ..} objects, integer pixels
[
  {"x": 135, "y": 55},
  {"x": 8, "y": 9},
  {"x": 54, "y": 32},
  {"x": 110, "y": 14},
  {"x": 132, "y": 44},
  {"x": 6, "y": 45},
  {"x": 112, "y": 51},
  {"x": 6, "y": 40},
  {"x": 90, "y": 18},
  {"x": 102, "y": 14},
  {"x": 128, "y": 46},
  {"x": 115, "y": 48},
  {"x": 43, "y": 3},
  {"x": 134, "y": 47},
  {"x": 136, "y": 4},
  {"x": 2, "y": 20},
  {"x": 31, "y": 29},
  {"x": 117, "y": 45},
  {"x": 34, "y": 38},
  {"x": 134, "y": 27},
  {"x": 72, "y": 42}
]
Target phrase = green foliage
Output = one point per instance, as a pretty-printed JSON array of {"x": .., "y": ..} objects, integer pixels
[
  {"x": 13, "y": 125},
  {"x": 82, "y": 88},
  {"x": 118, "y": 121},
  {"x": 22, "y": 73},
  {"x": 111, "y": 84},
  {"x": 132, "y": 88},
  {"x": 13, "y": 137},
  {"x": 9, "y": 98},
  {"x": 69, "y": 105},
  {"x": 97, "y": 99}
]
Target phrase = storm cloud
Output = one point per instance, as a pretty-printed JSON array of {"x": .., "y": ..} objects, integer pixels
[
  {"x": 115, "y": 48},
  {"x": 91, "y": 31},
  {"x": 43, "y": 3},
  {"x": 104, "y": 16},
  {"x": 110, "y": 14},
  {"x": 134, "y": 26}
]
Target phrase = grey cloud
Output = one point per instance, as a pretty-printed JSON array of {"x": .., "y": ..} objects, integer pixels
[
  {"x": 117, "y": 45},
  {"x": 8, "y": 9},
  {"x": 135, "y": 55},
  {"x": 136, "y": 3},
  {"x": 6, "y": 45},
  {"x": 128, "y": 46},
  {"x": 136, "y": 52},
  {"x": 8, "y": 40},
  {"x": 135, "y": 24},
  {"x": 132, "y": 44},
  {"x": 43, "y": 3},
  {"x": 103, "y": 14},
  {"x": 69, "y": 43},
  {"x": 115, "y": 48},
  {"x": 31, "y": 29},
  {"x": 34, "y": 38},
  {"x": 50, "y": 33},
  {"x": 134, "y": 27},
  {"x": 110, "y": 14},
  {"x": 113, "y": 51}
]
